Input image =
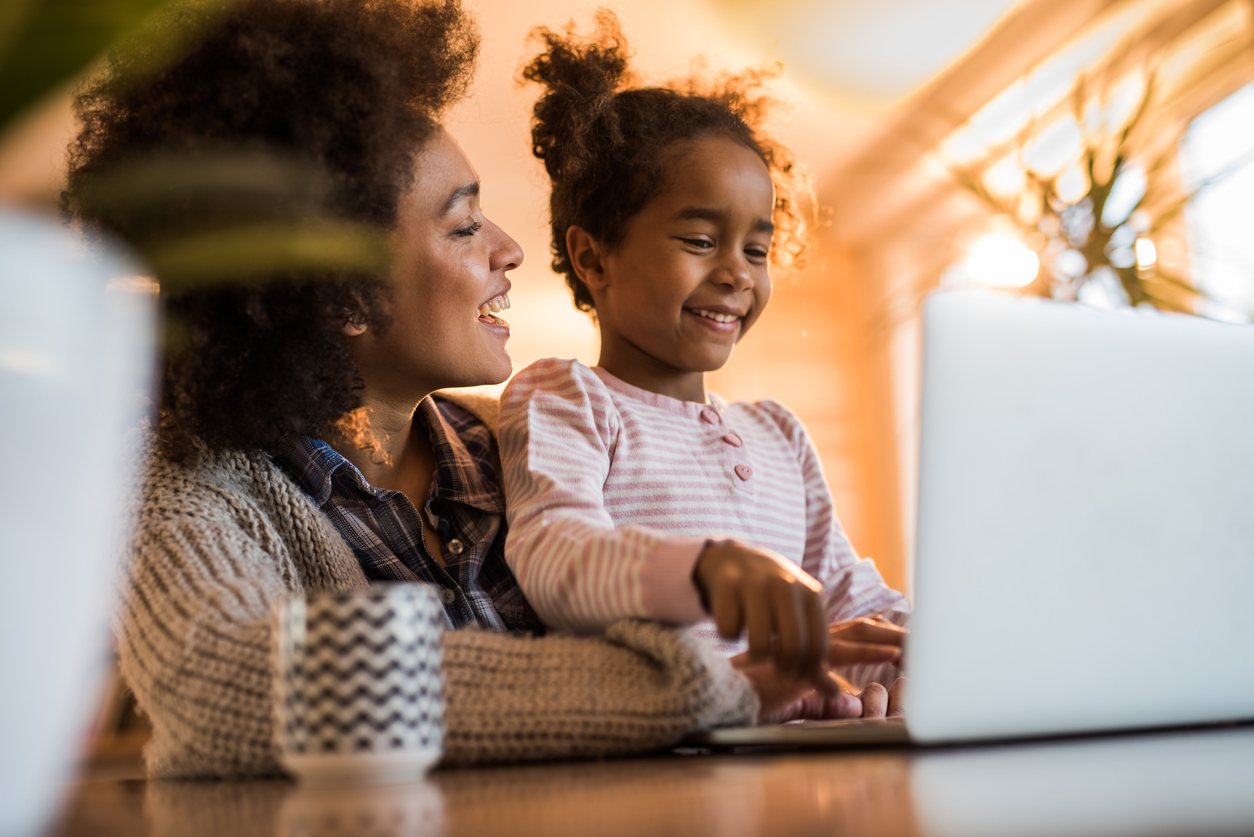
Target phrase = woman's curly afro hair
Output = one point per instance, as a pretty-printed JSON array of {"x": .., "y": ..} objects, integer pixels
[
  {"x": 606, "y": 144},
  {"x": 352, "y": 88}
]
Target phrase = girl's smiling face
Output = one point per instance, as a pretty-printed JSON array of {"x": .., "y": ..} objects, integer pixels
[{"x": 690, "y": 274}]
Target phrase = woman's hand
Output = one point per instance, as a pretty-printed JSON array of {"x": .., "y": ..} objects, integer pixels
[
  {"x": 785, "y": 700},
  {"x": 868, "y": 640},
  {"x": 878, "y": 702},
  {"x": 779, "y": 603}
]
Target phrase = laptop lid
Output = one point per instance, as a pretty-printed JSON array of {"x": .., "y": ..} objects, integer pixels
[{"x": 1085, "y": 541}]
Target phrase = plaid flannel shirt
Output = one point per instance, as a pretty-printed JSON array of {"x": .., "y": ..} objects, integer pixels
[{"x": 465, "y": 505}]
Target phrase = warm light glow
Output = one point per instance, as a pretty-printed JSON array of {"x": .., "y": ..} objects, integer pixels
[
  {"x": 1005, "y": 177},
  {"x": 1072, "y": 184},
  {"x": 1002, "y": 261},
  {"x": 1146, "y": 255}
]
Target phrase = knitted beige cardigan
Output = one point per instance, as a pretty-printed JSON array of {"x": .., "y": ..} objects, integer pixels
[{"x": 216, "y": 543}]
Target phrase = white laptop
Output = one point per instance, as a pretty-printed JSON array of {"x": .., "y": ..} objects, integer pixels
[{"x": 1085, "y": 542}]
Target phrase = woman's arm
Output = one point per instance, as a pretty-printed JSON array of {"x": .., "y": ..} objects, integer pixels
[
  {"x": 642, "y": 687},
  {"x": 194, "y": 639},
  {"x": 193, "y": 636}
]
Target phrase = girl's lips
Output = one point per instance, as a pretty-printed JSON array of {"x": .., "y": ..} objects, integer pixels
[{"x": 720, "y": 323}]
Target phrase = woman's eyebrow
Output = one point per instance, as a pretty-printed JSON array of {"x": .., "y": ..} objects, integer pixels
[{"x": 470, "y": 190}]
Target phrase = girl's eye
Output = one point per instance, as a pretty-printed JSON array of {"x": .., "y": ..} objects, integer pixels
[
  {"x": 467, "y": 232},
  {"x": 757, "y": 253},
  {"x": 699, "y": 243}
]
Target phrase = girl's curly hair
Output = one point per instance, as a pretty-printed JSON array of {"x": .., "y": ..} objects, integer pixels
[
  {"x": 605, "y": 143},
  {"x": 353, "y": 89}
]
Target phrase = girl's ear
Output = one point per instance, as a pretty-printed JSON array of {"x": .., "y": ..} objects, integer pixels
[{"x": 586, "y": 257}]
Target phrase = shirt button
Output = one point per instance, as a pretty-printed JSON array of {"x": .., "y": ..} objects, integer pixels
[
  {"x": 710, "y": 415},
  {"x": 744, "y": 471},
  {"x": 455, "y": 547},
  {"x": 447, "y": 596},
  {"x": 733, "y": 440}
]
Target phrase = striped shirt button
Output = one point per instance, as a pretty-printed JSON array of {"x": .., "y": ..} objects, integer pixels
[
  {"x": 744, "y": 471},
  {"x": 733, "y": 440},
  {"x": 710, "y": 415},
  {"x": 455, "y": 547},
  {"x": 447, "y": 596}
]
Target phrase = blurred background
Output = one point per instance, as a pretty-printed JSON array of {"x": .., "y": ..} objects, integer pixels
[{"x": 1081, "y": 149}]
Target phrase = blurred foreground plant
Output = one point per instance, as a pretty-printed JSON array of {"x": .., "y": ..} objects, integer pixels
[{"x": 223, "y": 215}]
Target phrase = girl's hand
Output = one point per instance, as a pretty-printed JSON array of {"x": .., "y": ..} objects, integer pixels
[
  {"x": 779, "y": 604},
  {"x": 866, "y": 640}
]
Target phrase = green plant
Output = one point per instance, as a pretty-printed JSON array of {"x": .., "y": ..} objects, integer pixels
[{"x": 46, "y": 44}]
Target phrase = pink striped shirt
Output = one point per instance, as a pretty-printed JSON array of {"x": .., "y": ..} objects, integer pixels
[{"x": 611, "y": 492}]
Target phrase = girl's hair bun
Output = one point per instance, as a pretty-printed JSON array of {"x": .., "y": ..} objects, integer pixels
[{"x": 574, "y": 118}]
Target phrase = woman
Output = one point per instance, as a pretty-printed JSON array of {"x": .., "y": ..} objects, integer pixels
[{"x": 299, "y": 447}]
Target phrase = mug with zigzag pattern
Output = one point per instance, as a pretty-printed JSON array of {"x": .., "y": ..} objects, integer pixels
[{"x": 358, "y": 691}]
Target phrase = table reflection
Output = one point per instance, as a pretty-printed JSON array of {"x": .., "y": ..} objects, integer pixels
[
  {"x": 1164, "y": 784},
  {"x": 1198, "y": 783}
]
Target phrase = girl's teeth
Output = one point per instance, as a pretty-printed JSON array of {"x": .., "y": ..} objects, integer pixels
[{"x": 718, "y": 318}]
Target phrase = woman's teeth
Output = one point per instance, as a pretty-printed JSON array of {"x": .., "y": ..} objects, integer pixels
[
  {"x": 493, "y": 305},
  {"x": 711, "y": 315}
]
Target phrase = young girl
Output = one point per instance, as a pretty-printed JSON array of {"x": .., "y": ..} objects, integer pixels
[{"x": 632, "y": 491}]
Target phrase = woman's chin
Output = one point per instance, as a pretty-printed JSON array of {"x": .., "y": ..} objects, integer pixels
[{"x": 496, "y": 371}]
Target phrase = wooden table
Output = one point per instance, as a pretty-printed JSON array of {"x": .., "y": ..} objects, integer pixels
[{"x": 1185, "y": 783}]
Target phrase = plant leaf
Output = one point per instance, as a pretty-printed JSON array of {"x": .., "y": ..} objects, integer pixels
[
  {"x": 57, "y": 39},
  {"x": 254, "y": 253}
]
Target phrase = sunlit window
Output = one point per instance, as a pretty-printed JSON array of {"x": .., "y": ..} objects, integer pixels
[{"x": 1219, "y": 147}]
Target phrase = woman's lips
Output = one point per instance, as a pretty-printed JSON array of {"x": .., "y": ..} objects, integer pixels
[{"x": 487, "y": 311}]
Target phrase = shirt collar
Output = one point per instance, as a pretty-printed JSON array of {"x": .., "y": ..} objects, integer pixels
[
  {"x": 466, "y": 468},
  {"x": 467, "y": 460}
]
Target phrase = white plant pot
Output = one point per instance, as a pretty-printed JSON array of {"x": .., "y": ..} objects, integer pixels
[{"x": 76, "y": 376}]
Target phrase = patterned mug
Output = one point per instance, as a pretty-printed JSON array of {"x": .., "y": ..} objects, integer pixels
[{"x": 358, "y": 691}]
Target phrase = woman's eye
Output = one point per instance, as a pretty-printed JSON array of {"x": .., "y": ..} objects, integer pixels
[{"x": 466, "y": 232}]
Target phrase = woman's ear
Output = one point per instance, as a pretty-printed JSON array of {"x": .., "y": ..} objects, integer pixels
[
  {"x": 586, "y": 257},
  {"x": 354, "y": 325}
]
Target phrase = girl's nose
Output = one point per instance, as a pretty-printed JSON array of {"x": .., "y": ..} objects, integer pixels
[{"x": 734, "y": 273}]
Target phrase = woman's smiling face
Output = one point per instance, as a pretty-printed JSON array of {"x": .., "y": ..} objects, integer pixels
[
  {"x": 448, "y": 273},
  {"x": 690, "y": 274}
]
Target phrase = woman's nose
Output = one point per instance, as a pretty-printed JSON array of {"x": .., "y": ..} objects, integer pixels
[{"x": 507, "y": 254}]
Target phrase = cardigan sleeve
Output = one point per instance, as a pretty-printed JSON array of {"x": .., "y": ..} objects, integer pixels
[
  {"x": 194, "y": 643},
  {"x": 852, "y": 586},
  {"x": 193, "y": 633},
  {"x": 642, "y": 686},
  {"x": 559, "y": 428}
]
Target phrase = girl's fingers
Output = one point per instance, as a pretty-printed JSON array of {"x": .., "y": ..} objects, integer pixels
[
  {"x": 868, "y": 631},
  {"x": 758, "y": 620},
  {"x": 841, "y": 653},
  {"x": 816, "y": 625},
  {"x": 787, "y": 612},
  {"x": 728, "y": 614}
]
